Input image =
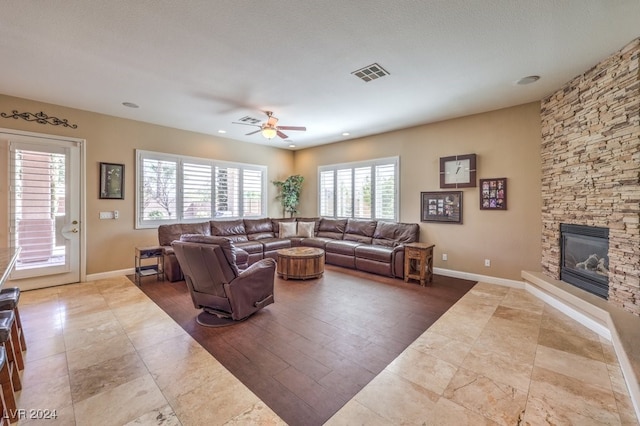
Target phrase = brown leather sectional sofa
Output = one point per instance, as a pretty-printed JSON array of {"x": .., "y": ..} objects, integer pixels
[{"x": 367, "y": 245}]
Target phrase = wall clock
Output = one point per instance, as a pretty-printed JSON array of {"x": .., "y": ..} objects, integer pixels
[{"x": 458, "y": 171}]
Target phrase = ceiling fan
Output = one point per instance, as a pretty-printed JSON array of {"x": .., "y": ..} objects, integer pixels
[{"x": 269, "y": 128}]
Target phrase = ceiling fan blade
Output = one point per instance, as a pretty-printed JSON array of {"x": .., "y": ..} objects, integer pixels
[
  {"x": 245, "y": 124},
  {"x": 253, "y": 133},
  {"x": 292, "y": 128},
  {"x": 282, "y": 135}
]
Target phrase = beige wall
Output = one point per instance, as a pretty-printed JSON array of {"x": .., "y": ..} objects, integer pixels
[
  {"x": 110, "y": 243},
  {"x": 507, "y": 144}
]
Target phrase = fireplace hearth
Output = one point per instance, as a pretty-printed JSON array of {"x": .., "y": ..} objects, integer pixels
[{"x": 584, "y": 258}]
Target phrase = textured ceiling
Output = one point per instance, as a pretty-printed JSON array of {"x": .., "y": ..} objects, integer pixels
[{"x": 200, "y": 65}]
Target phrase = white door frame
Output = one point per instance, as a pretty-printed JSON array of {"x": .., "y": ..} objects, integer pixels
[{"x": 8, "y": 133}]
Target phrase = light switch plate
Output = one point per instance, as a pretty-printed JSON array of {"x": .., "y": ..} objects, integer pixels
[{"x": 106, "y": 215}]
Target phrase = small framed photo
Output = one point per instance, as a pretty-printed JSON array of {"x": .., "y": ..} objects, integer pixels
[
  {"x": 112, "y": 181},
  {"x": 444, "y": 207},
  {"x": 493, "y": 194}
]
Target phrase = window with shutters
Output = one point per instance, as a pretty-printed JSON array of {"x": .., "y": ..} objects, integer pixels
[
  {"x": 364, "y": 190},
  {"x": 174, "y": 188}
]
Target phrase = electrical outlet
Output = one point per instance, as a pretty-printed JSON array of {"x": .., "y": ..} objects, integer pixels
[
  {"x": 116, "y": 214},
  {"x": 444, "y": 256},
  {"x": 487, "y": 262}
]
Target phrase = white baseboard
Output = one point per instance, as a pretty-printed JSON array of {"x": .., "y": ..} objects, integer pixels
[
  {"x": 477, "y": 277},
  {"x": 110, "y": 274}
]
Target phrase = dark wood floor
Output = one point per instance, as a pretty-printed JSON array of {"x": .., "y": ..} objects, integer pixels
[{"x": 322, "y": 341}]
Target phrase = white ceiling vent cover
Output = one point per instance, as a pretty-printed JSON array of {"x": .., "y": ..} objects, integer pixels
[{"x": 370, "y": 72}]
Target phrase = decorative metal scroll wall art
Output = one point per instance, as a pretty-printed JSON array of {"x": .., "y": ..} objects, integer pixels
[{"x": 39, "y": 117}]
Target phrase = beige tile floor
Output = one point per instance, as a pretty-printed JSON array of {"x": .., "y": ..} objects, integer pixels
[{"x": 102, "y": 353}]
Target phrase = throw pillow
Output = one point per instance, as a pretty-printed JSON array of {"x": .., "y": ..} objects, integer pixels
[
  {"x": 287, "y": 229},
  {"x": 305, "y": 229}
]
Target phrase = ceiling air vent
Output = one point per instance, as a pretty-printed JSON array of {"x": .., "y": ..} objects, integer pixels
[
  {"x": 370, "y": 72},
  {"x": 249, "y": 120}
]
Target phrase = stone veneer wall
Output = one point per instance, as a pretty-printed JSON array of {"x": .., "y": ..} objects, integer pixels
[{"x": 591, "y": 167}]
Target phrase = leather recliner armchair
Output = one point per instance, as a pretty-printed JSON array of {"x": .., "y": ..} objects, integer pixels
[{"x": 224, "y": 293}]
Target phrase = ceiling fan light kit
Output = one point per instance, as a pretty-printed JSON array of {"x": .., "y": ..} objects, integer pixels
[
  {"x": 268, "y": 129},
  {"x": 269, "y": 132}
]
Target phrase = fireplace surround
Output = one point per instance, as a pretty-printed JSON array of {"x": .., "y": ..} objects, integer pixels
[
  {"x": 584, "y": 260},
  {"x": 589, "y": 158}
]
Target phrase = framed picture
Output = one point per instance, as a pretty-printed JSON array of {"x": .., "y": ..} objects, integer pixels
[
  {"x": 445, "y": 207},
  {"x": 112, "y": 181},
  {"x": 493, "y": 194}
]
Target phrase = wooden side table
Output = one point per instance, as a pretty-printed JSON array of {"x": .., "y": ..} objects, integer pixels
[{"x": 418, "y": 262}]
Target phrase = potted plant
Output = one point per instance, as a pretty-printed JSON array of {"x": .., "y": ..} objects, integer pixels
[{"x": 289, "y": 195}]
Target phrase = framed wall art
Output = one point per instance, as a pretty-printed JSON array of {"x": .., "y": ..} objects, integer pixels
[
  {"x": 112, "y": 181},
  {"x": 493, "y": 194},
  {"x": 443, "y": 206}
]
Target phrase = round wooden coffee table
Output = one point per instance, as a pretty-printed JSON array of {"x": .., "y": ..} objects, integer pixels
[{"x": 300, "y": 263}]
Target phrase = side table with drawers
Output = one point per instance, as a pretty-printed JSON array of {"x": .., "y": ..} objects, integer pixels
[{"x": 418, "y": 262}]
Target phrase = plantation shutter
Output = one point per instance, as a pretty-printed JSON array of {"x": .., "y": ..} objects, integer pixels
[
  {"x": 227, "y": 190},
  {"x": 196, "y": 191},
  {"x": 362, "y": 192},
  {"x": 385, "y": 191},
  {"x": 327, "y": 193},
  {"x": 252, "y": 193},
  {"x": 344, "y": 198}
]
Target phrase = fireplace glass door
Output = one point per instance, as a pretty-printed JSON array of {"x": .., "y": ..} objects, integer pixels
[{"x": 585, "y": 261}]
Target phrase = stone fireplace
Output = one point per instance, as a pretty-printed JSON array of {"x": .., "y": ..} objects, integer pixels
[
  {"x": 584, "y": 260},
  {"x": 590, "y": 158}
]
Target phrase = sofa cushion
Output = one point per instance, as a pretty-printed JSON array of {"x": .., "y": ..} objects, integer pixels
[
  {"x": 342, "y": 247},
  {"x": 332, "y": 228},
  {"x": 306, "y": 229},
  {"x": 359, "y": 230},
  {"x": 315, "y": 220},
  {"x": 275, "y": 223},
  {"x": 272, "y": 244},
  {"x": 169, "y": 233},
  {"x": 287, "y": 229},
  {"x": 391, "y": 234},
  {"x": 318, "y": 242},
  {"x": 233, "y": 229},
  {"x": 251, "y": 247},
  {"x": 377, "y": 253},
  {"x": 258, "y": 229}
]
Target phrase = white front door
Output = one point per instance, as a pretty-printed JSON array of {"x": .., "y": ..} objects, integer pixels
[{"x": 45, "y": 209}]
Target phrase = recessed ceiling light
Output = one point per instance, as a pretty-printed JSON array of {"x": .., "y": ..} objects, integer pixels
[
  {"x": 528, "y": 80},
  {"x": 292, "y": 146},
  {"x": 346, "y": 134},
  {"x": 130, "y": 105},
  {"x": 222, "y": 131}
]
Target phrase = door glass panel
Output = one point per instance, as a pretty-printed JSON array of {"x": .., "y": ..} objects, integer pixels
[{"x": 39, "y": 209}]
